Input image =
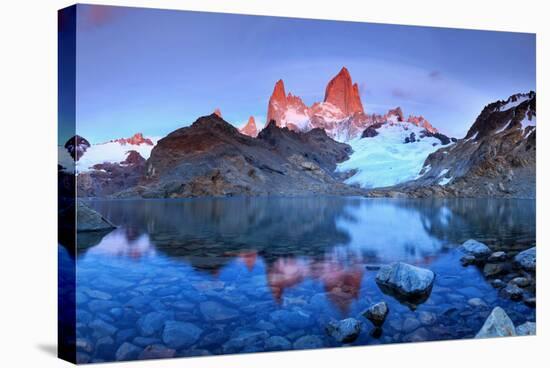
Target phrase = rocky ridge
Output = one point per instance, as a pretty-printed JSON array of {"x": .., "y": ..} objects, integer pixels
[
  {"x": 496, "y": 158},
  {"x": 212, "y": 158}
]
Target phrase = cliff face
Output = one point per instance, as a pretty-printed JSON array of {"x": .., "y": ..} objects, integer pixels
[
  {"x": 497, "y": 157},
  {"x": 212, "y": 158}
]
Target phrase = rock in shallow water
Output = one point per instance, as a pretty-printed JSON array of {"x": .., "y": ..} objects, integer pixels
[
  {"x": 494, "y": 269},
  {"x": 527, "y": 259},
  {"x": 499, "y": 256},
  {"x": 377, "y": 313},
  {"x": 151, "y": 323},
  {"x": 345, "y": 330},
  {"x": 157, "y": 351},
  {"x": 406, "y": 281},
  {"x": 476, "y": 249},
  {"x": 527, "y": 329},
  {"x": 180, "y": 334},
  {"x": 127, "y": 351},
  {"x": 512, "y": 291},
  {"x": 498, "y": 324},
  {"x": 214, "y": 311},
  {"x": 291, "y": 319},
  {"x": 308, "y": 342},
  {"x": 277, "y": 343}
]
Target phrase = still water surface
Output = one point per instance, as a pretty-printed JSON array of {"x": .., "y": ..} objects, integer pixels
[{"x": 260, "y": 274}]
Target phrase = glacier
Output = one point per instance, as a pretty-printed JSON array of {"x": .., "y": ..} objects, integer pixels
[{"x": 385, "y": 160}]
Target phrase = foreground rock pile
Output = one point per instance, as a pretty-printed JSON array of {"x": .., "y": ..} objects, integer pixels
[{"x": 513, "y": 275}]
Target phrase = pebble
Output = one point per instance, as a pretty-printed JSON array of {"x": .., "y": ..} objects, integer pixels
[
  {"x": 308, "y": 342},
  {"x": 127, "y": 351},
  {"x": 180, "y": 334},
  {"x": 277, "y": 343}
]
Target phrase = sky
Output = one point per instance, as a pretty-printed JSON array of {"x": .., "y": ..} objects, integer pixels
[{"x": 154, "y": 71}]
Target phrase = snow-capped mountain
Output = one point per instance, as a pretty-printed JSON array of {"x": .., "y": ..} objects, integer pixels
[
  {"x": 115, "y": 151},
  {"x": 340, "y": 114},
  {"x": 496, "y": 158},
  {"x": 389, "y": 154}
]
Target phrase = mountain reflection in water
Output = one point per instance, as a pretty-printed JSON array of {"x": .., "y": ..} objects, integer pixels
[{"x": 258, "y": 256}]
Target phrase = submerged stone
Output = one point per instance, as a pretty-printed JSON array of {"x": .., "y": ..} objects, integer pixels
[
  {"x": 180, "y": 334},
  {"x": 214, "y": 311},
  {"x": 277, "y": 343},
  {"x": 127, "y": 351},
  {"x": 308, "y": 342},
  {"x": 499, "y": 256},
  {"x": 157, "y": 351},
  {"x": 512, "y": 291},
  {"x": 346, "y": 330}
]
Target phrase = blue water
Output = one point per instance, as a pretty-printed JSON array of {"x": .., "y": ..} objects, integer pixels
[{"x": 261, "y": 274}]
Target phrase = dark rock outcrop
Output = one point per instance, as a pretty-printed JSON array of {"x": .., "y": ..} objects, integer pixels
[
  {"x": 212, "y": 158},
  {"x": 76, "y": 146},
  {"x": 108, "y": 178}
]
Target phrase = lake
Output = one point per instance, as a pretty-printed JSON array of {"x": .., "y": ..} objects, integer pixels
[{"x": 217, "y": 276}]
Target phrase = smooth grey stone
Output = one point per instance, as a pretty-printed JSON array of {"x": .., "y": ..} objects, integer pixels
[
  {"x": 527, "y": 329},
  {"x": 214, "y": 311},
  {"x": 277, "y": 343},
  {"x": 498, "y": 324},
  {"x": 405, "y": 280},
  {"x": 157, "y": 351},
  {"x": 477, "y": 249},
  {"x": 180, "y": 334},
  {"x": 308, "y": 342},
  {"x": 127, "y": 351},
  {"x": 151, "y": 323}
]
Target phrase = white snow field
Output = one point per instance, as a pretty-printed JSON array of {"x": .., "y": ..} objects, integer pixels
[
  {"x": 385, "y": 159},
  {"x": 112, "y": 152}
]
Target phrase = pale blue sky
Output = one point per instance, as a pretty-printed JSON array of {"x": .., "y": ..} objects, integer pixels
[{"x": 153, "y": 71}]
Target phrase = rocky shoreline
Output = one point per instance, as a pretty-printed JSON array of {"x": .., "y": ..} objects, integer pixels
[{"x": 142, "y": 318}]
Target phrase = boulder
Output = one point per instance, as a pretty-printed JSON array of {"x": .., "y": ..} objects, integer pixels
[
  {"x": 377, "y": 313},
  {"x": 499, "y": 256},
  {"x": 527, "y": 329},
  {"x": 512, "y": 291},
  {"x": 406, "y": 282},
  {"x": 498, "y": 324},
  {"x": 346, "y": 330},
  {"x": 522, "y": 282},
  {"x": 494, "y": 269},
  {"x": 527, "y": 259},
  {"x": 88, "y": 219},
  {"x": 467, "y": 260},
  {"x": 476, "y": 249}
]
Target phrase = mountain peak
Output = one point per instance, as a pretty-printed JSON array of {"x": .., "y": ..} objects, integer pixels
[
  {"x": 218, "y": 112},
  {"x": 136, "y": 139},
  {"x": 342, "y": 93},
  {"x": 250, "y": 128}
]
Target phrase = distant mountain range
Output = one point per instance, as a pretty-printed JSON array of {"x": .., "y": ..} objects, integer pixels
[{"x": 331, "y": 147}]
